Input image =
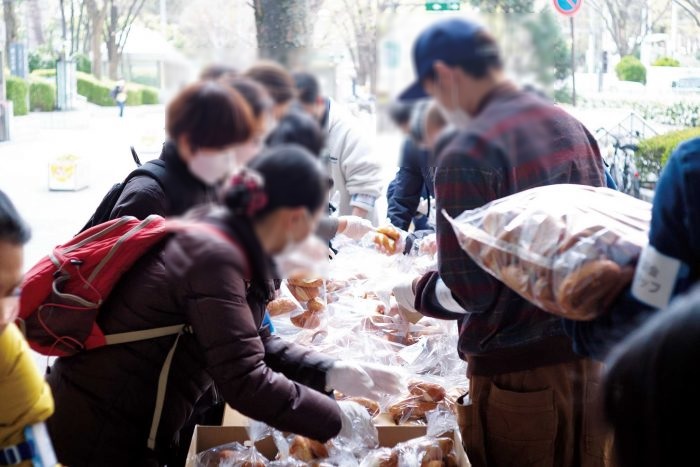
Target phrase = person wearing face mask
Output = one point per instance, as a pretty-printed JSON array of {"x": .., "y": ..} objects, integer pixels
[
  {"x": 26, "y": 400},
  {"x": 205, "y": 123},
  {"x": 532, "y": 398},
  {"x": 218, "y": 284}
]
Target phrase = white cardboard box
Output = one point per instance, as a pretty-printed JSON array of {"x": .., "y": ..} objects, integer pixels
[{"x": 68, "y": 173}]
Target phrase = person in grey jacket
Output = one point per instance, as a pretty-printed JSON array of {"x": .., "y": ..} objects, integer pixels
[{"x": 357, "y": 178}]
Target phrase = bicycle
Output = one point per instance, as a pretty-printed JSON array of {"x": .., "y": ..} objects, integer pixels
[{"x": 621, "y": 164}]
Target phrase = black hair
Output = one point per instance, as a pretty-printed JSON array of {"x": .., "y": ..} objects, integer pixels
[
  {"x": 275, "y": 79},
  {"x": 216, "y": 71},
  {"x": 291, "y": 177},
  {"x": 308, "y": 88},
  {"x": 650, "y": 389},
  {"x": 400, "y": 112},
  {"x": 298, "y": 127},
  {"x": 13, "y": 229}
]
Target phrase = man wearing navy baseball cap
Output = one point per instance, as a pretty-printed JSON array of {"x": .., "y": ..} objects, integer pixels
[{"x": 531, "y": 397}]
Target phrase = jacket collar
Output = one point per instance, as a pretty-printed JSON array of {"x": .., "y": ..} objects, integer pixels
[{"x": 504, "y": 89}]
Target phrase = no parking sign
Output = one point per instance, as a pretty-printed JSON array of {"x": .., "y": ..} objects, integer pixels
[{"x": 568, "y": 7}]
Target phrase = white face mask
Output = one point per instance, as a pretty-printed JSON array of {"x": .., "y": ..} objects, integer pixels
[
  {"x": 457, "y": 116},
  {"x": 211, "y": 168}
]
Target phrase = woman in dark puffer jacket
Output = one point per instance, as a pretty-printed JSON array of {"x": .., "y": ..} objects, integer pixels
[{"x": 218, "y": 285}]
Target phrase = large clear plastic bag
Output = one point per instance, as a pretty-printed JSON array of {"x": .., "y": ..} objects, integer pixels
[{"x": 569, "y": 249}]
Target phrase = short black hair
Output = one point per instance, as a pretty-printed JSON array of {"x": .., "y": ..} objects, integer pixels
[
  {"x": 13, "y": 229},
  {"x": 298, "y": 127},
  {"x": 308, "y": 88},
  {"x": 216, "y": 71},
  {"x": 400, "y": 112}
]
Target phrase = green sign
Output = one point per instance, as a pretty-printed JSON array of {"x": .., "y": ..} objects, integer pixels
[{"x": 442, "y": 6}]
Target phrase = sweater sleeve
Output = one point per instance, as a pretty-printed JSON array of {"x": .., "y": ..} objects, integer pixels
[{"x": 235, "y": 353}]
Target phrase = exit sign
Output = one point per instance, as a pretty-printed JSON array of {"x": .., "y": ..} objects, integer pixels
[{"x": 442, "y": 6}]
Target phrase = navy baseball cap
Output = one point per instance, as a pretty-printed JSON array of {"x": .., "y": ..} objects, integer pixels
[{"x": 452, "y": 41}]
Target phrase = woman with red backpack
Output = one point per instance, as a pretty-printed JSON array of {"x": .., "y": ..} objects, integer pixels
[{"x": 218, "y": 286}]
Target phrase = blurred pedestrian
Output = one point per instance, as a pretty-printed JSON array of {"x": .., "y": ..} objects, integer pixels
[
  {"x": 277, "y": 81},
  {"x": 217, "y": 71},
  {"x": 530, "y": 396},
  {"x": 26, "y": 400},
  {"x": 218, "y": 285},
  {"x": 356, "y": 171},
  {"x": 119, "y": 94}
]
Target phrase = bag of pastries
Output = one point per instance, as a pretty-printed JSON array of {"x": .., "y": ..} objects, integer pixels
[{"x": 569, "y": 249}]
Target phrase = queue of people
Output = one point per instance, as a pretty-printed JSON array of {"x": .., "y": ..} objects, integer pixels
[{"x": 265, "y": 162}]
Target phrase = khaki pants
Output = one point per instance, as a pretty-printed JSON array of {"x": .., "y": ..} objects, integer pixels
[{"x": 548, "y": 416}]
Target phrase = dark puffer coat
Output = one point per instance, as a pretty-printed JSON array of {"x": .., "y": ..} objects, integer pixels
[{"x": 105, "y": 398}]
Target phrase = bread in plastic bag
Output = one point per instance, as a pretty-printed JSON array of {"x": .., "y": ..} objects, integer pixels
[
  {"x": 231, "y": 455},
  {"x": 569, "y": 249}
]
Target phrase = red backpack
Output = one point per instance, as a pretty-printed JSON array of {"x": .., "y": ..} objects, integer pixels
[{"x": 62, "y": 294}]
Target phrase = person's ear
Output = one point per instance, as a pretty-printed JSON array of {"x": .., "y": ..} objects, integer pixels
[
  {"x": 184, "y": 148},
  {"x": 443, "y": 73}
]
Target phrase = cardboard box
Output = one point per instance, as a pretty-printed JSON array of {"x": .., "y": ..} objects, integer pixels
[
  {"x": 68, "y": 173},
  {"x": 234, "y": 429}
]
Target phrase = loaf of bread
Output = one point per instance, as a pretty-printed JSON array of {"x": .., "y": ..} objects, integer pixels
[
  {"x": 568, "y": 249},
  {"x": 385, "y": 243}
]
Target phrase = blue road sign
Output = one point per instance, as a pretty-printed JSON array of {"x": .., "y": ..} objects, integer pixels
[{"x": 568, "y": 7}]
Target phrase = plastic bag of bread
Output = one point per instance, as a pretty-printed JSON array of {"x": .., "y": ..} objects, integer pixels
[
  {"x": 420, "y": 452},
  {"x": 569, "y": 249},
  {"x": 231, "y": 455}
]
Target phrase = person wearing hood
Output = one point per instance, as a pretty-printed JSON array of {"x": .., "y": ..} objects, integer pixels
[{"x": 531, "y": 398}]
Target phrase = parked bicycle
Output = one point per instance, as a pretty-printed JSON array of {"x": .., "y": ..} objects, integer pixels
[{"x": 619, "y": 156}]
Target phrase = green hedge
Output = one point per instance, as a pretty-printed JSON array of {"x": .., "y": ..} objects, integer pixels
[
  {"x": 133, "y": 96},
  {"x": 654, "y": 152},
  {"x": 96, "y": 92},
  {"x": 17, "y": 91},
  {"x": 42, "y": 96},
  {"x": 44, "y": 73},
  {"x": 666, "y": 61},
  {"x": 149, "y": 96},
  {"x": 631, "y": 69}
]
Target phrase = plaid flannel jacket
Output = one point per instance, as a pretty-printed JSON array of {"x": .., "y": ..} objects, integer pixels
[{"x": 516, "y": 142}]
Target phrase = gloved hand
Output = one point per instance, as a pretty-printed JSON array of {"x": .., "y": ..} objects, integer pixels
[
  {"x": 354, "y": 227},
  {"x": 356, "y": 421},
  {"x": 363, "y": 379}
]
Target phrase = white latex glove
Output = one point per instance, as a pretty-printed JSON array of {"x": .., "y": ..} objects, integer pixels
[
  {"x": 423, "y": 207},
  {"x": 356, "y": 227},
  {"x": 356, "y": 421},
  {"x": 363, "y": 379},
  {"x": 310, "y": 254}
]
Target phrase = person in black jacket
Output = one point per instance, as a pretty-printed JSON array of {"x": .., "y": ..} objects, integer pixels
[
  {"x": 412, "y": 181},
  {"x": 205, "y": 123}
]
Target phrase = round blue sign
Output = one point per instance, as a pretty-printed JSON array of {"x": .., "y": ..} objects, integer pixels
[{"x": 568, "y": 7}]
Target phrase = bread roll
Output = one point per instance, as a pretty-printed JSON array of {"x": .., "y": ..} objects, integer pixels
[
  {"x": 429, "y": 392},
  {"x": 385, "y": 243},
  {"x": 281, "y": 305},
  {"x": 371, "y": 406},
  {"x": 411, "y": 409},
  {"x": 589, "y": 289},
  {"x": 390, "y": 231},
  {"x": 304, "y": 294},
  {"x": 306, "y": 320},
  {"x": 307, "y": 450},
  {"x": 305, "y": 279},
  {"x": 316, "y": 305}
]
